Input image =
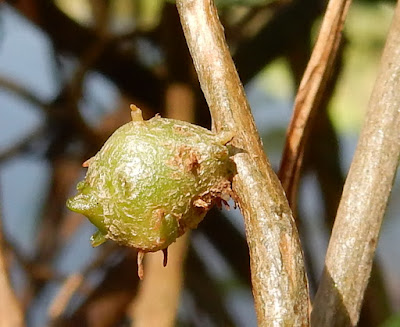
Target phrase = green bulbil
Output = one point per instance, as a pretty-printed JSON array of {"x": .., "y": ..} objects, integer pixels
[{"x": 153, "y": 180}]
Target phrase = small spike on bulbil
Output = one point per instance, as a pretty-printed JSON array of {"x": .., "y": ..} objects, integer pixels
[
  {"x": 86, "y": 164},
  {"x": 165, "y": 261},
  {"x": 136, "y": 113},
  {"x": 152, "y": 181},
  {"x": 140, "y": 257}
]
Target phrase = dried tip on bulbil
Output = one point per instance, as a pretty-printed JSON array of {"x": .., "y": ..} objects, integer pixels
[
  {"x": 87, "y": 163},
  {"x": 136, "y": 113},
  {"x": 152, "y": 181},
  {"x": 165, "y": 261},
  {"x": 140, "y": 257}
]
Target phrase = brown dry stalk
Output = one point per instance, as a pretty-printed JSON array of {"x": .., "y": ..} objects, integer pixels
[
  {"x": 365, "y": 195},
  {"x": 277, "y": 267},
  {"x": 308, "y": 97},
  {"x": 60, "y": 302}
]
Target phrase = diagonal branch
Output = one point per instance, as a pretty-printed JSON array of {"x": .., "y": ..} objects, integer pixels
[
  {"x": 311, "y": 89},
  {"x": 365, "y": 195},
  {"x": 293, "y": 19},
  {"x": 25, "y": 94},
  {"x": 71, "y": 38},
  {"x": 277, "y": 267}
]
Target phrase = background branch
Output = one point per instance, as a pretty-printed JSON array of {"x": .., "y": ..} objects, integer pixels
[
  {"x": 365, "y": 195},
  {"x": 23, "y": 93},
  {"x": 158, "y": 297},
  {"x": 311, "y": 89},
  {"x": 10, "y": 309},
  {"x": 292, "y": 20},
  {"x": 114, "y": 62},
  {"x": 92, "y": 59},
  {"x": 279, "y": 283}
]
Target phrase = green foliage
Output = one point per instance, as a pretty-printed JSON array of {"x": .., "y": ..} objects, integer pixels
[{"x": 393, "y": 321}]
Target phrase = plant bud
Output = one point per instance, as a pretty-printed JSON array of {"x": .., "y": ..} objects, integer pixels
[{"x": 152, "y": 181}]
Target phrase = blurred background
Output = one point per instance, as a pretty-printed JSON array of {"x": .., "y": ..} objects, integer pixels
[{"x": 69, "y": 70}]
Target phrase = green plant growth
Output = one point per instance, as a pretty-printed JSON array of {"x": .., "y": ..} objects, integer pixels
[{"x": 152, "y": 181}]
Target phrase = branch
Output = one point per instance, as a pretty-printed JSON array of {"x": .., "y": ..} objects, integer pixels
[
  {"x": 365, "y": 195},
  {"x": 20, "y": 144},
  {"x": 308, "y": 99},
  {"x": 73, "y": 283},
  {"x": 277, "y": 267},
  {"x": 210, "y": 300},
  {"x": 291, "y": 20},
  {"x": 107, "y": 304},
  {"x": 24, "y": 93},
  {"x": 114, "y": 62},
  {"x": 158, "y": 297},
  {"x": 10, "y": 310}
]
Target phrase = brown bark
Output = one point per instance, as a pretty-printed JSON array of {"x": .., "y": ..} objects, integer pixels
[
  {"x": 279, "y": 283},
  {"x": 355, "y": 233},
  {"x": 308, "y": 98}
]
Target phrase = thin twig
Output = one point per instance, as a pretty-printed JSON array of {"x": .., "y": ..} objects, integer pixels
[
  {"x": 279, "y": 282},
  {"x": 107, "y": 304},
  {"x": 311, "y": 89},
  {"x": 75, "y": 87},
  {"x": 64, "y": 172},
  {"x": 118, "y": 65},
  {"x": 20, "y": 144},
  {"x": 290, "y": 20},
  {"x": 24, "y": 93},
  {"x": 64, "y": 295},
  {"x": 35, "y": 271},
  {"x": 365, "y": 195},
  {"x": 73, "y": 283},
  {"x": 100, "y": 13}
]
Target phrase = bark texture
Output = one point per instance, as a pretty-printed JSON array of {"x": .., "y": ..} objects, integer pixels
[
  {"x": 277, "y": 268},
  {"x": 365, "y": 195},
  {"x": 311, "y": 91}
]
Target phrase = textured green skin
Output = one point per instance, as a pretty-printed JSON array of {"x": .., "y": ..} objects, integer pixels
[{"x": 141, "y": 187}]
